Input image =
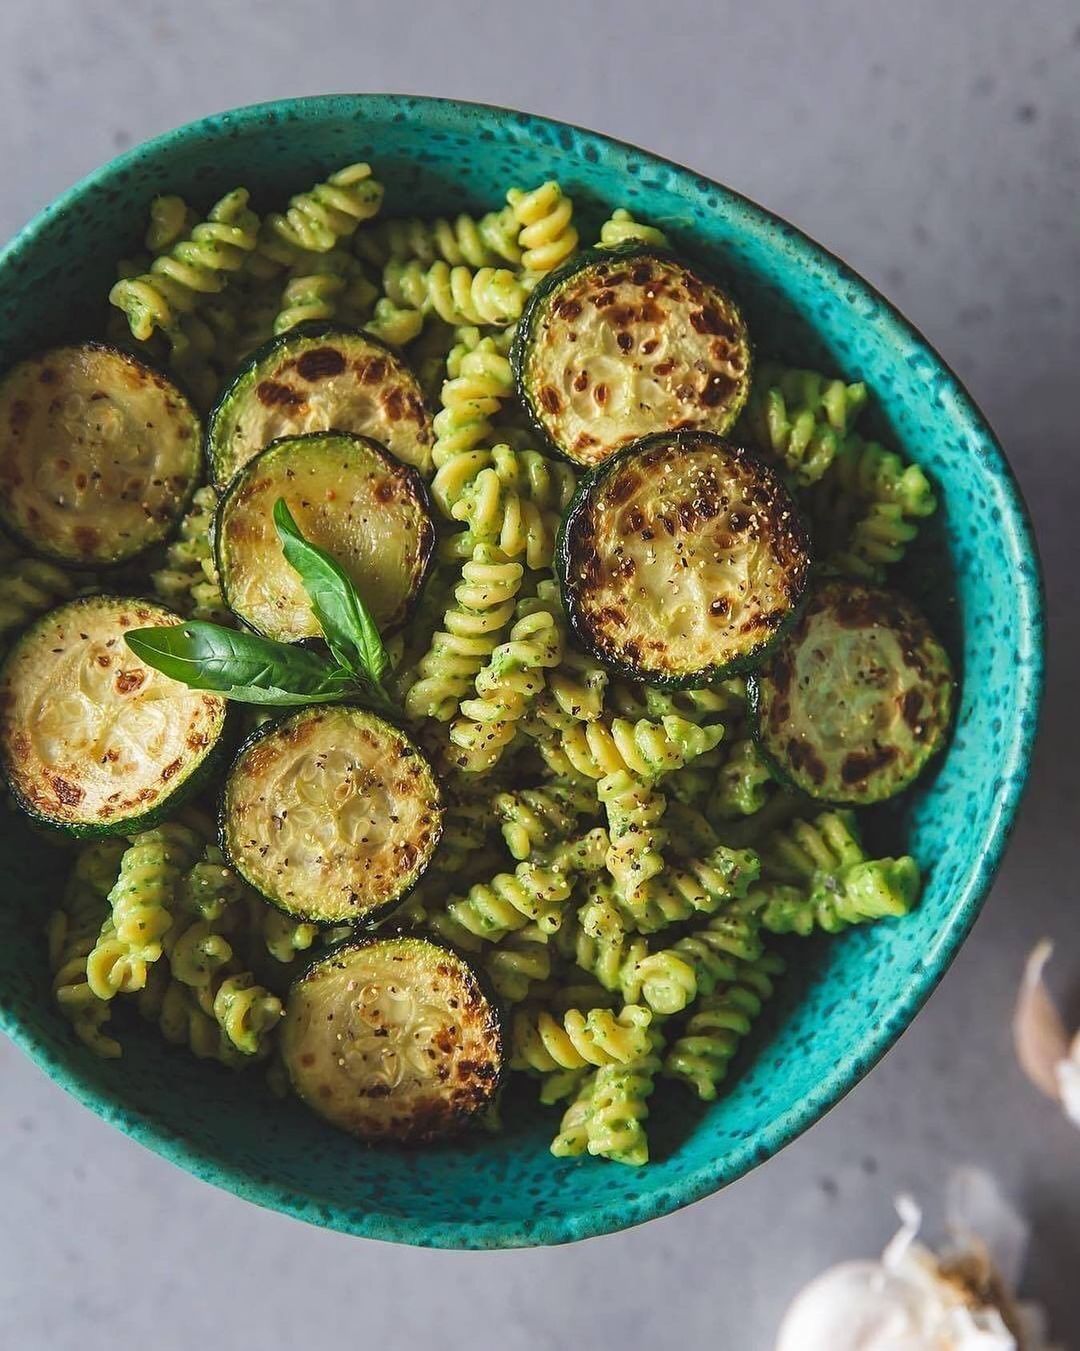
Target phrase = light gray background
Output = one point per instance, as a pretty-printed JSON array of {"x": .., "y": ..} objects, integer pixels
[{"x": 934, "y": 145}]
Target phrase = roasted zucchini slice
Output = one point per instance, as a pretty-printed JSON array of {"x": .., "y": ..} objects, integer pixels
[
  {"x": 393, "y": 1039},
  {"x": 347, "y": 495},
  {"x": 318, "y": 379},
  {"x": 92, "y": 740},
  {"x": 681, "y": 559},
  {"x": 623, "y": 342},
  {"x": 857, "y": 698},
  {"x": 98, "y": 454},
  {"x": 331, "y": 813}
]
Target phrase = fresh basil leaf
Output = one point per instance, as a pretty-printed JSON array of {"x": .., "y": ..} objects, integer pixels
[
  {"x": 241, "y": 666},
  {"x": 348, "y": 627}
]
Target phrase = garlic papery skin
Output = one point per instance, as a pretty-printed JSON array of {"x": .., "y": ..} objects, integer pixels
[
  {"x": 864, "y": 1306},
  {"x": 904, "y": 1302},
  {"x": 1043, "y": 1049}
]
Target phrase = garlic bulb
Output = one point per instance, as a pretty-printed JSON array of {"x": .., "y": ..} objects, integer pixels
[
  {"x": 1044, "y": 1050},
  {"x": 914, "y": 1300}
]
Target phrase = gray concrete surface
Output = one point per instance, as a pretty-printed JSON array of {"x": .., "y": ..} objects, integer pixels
[{"x": 937, "y": 147}]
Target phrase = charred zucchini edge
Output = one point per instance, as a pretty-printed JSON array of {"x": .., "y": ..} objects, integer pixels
[
  {"x": 377, "y": 913},
  {"x": 213, "y": 758},
  {"x": 493, "y": 1030},
  {"x": 781, "y": 766},
  {"x": 177, "y": 508},
  {"x": 552, "y": 281},
  {"x": 313, "y": 330},
  {"x": 628, "y": 670},
  {"x": 417, "y": 485}
]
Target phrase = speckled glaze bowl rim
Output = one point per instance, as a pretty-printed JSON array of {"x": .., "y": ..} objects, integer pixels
[{"x": 857, "y": 1060}]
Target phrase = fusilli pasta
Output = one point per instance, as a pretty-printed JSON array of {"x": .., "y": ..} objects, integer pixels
[
  {"x": 802, "y": 417},
  {"x": 544, "y": 1043},
  {"x": 547, "y": 235},
  {"x": 700, "y": 1055}
]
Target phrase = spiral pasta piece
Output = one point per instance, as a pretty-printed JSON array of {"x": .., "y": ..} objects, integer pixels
[
  {"x": 458, "y": 295},
  {"x": 141, "y": 902},
  {"x": 533, "y": 818},
  {"x": 513, "y": 500},
  {"x": 247, "y": 1013},
  {"x": 197, "y": 951},
  {"x": 283, "y": 936},
  {"x": 544, "y": 1043},
  {"x": 392, "y": 323},
  {"x": 513, "y": 676},
  {"x": 210, "y": 888},
  {"x": 573, "y": 1137},
  {"x": 520, "y": 962},
  {"x": 802, "y": 417},
  {"x": 534, "y": 892},
  {"x": 547, "y": 235},
  {"x": 701, "y": 1054},
  {"x": 864, "y": 891},
  {"x": 188, "y": 579},
  {"x": 480, "y": 380},
  {"x": 622, "y": 228},
  {"x": 176, "y": 1010},
  {"x": 634, "y": 812},
  {"x": 318, "y": 219},
  {"x": 865, "y": 510},
  {"x": 509, "y": 901},
  {"x": 709, "y": 704},
  {"x": 618, "y": 1106},
  {"x": 29, "y": 587},
  {"x": 805, "y": 850},
  {"x": 672, "y": 978},
  {"x": 741, "y": 784},
  {"x": 198, "y": 265},
  {"x": 698, "y": 886},
  {"x": 170, "y": 220},
  {"x": 644, "y": 748},
  {"x": 465, "y": 240},
  {"x": 73, "y": 933},
  {"x": 472, "y": 628},
  {"x": 577, "y": 687},
  {"x": 322, "y": 287}
]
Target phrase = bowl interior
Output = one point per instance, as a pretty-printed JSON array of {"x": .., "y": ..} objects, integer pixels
[{"x": 844, "y": 1000}]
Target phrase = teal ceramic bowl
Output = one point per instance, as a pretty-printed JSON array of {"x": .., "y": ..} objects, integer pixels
[{"x": 846, "y": 1000}]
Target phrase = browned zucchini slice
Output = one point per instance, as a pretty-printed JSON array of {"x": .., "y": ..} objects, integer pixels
[
  {"x": 857, "y": 697},
  {"x": 393, "y": 1039},
  {"x": 681, "y": 559},
  {"x": 93, "y": 741},
  {"x": 98, "y": 454},
  {"x": 319, "y": 379},
  {"x": 332, "y": 814},
  {"x": 623, "y": 342},
  {"x": 348, "y": 496}
]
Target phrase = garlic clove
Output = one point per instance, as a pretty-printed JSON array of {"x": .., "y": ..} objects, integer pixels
[
  {"x": 914, "y": 1300},
  {"x": 1038, "y": 1032}
]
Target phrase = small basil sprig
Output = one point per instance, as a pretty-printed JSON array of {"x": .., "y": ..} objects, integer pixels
[
  {"x": 254, "y": 670},
  {"x": 241, "y": 666},
  {"x": 350, "y": 632}
]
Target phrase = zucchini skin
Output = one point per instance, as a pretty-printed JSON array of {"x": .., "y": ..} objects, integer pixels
[
  {"x": 109, "y": 566},
  {"x": 627, "y": 669},
  {"x": 214, "y": 760},
  {"x": 374, "y": 915},
  {"x": 417, "y": 486},
  {"x": 783, "y": 770},
  {"x": 496, "y": 1030},
  {"x": 535, "y": 305},
  {"x": 314, "y": 331}
]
